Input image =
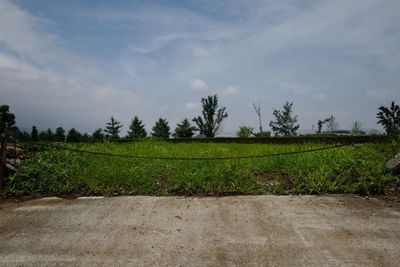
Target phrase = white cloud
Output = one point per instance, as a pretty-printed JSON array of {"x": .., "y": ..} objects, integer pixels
[
  {"x": 327, "y": 52},
  {"x": 198, "y": 84}
]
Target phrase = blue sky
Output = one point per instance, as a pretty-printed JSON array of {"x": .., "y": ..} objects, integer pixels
[{"x": 76, "y": 63}]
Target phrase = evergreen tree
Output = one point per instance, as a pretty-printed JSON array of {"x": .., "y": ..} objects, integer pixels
[
  {"x": 161, "y": 129},
  {"x": 24, "y": 136},
  {"x": 98, "y": 135},
  {"x": 74, "y": 136},
  {"x": 212, "y": 118},
  {"x": 184, "y": 129},
  {"x": 389, "y": 117},
  {"x": 136, "y": 129},
  {"x": 59, "y": 136},
  {"x": 85, "y": 137},
  {"x": 285, "y": 123},
  {"x": 46, "y": 135},
  {"x": 34, "y": 134},
  {"x": 7, "y": 119},
  {"x": 113, "y": 128}
]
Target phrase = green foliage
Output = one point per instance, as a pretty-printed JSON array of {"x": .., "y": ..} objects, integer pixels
[
  {"x": 46, "y": 135},
  {"x": 7, "y": 119},
  {"x": 244, "y": 132},
  {"x": 59, "y": 136},
  {"x": 184, "y": 129},
  {"x": 113, "y": 128},
  {"x": 74, "y": 136},
  {"x": 85, "y": 137},
  {"x": 161, "y": 129},
  {"x": 136, "y": 129},
  {"x": 351, "y": 169},
  {"x": 98, "y": 135},
  {"x": 303, "y": 139},
  {"x": 24, "y": 136},
  {"x": 34, "y": 134},
  {"x": 212, "y": 118},
  {"x": 286, "y": 123},
  {"x": 389, "y": 117},
  {"x": 263, "y": 134}
]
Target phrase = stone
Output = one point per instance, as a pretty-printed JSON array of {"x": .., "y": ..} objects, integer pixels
[
  {"x": 11, "y": 168},
  {"x": 394, "y": 164}
]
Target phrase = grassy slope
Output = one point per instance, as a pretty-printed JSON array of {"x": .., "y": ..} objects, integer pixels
[{"x": 357, "y": 169}]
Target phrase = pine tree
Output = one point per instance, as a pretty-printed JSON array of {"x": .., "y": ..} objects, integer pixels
[
  {"x": 59, "y": 136},
  {"x": 113, "y": 128},
  {"x": 161, "y": 129},
  {"x": 136, "y": 129},
  {"x": 7, "y": 119},
  {"x": 285, "y": 123},
  {"x": 34, "y": 134},
  {"x": 184, "y": 129},
  {"x": 46, "y": 135},
  {"x": 74, "y": 136},
  {"x": 98, "y": 135}
]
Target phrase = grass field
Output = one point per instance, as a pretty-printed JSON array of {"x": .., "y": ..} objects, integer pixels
[{"x": 350, "y": 169}]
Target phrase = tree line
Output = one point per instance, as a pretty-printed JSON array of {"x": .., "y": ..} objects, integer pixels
[{"x": 206, "y": 125}]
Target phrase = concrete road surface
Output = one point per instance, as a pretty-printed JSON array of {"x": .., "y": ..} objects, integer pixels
[{"x": 178, "y": 231}]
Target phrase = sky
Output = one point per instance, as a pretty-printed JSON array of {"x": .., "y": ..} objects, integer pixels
[{"x": 75, "y": 63}]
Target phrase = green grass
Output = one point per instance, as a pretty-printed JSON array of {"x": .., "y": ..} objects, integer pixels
[{"x": 351, "y": 169}]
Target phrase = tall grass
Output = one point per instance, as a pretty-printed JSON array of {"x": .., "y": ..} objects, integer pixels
[{"x": 350, "y": 169}]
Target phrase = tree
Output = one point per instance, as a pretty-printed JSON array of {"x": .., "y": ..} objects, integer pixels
[
  {"x": 257, "y": 109},
  {"x": 46, "y": 135},
  {"x": 161, "y": 129},
  {"x": 59, "y": 136},
  {"x": 389, "y": 117},
  {"x": 113, "y": 127},
  {"x": 212, "y": 116},
  {"x": 136, "y": 129},
  {"x": 7, "y": 119},
  {"x": 13, "y": 132},
  {"x": 34, "y": 134},
  {"x": 184, "y": 129},
  {"x": 321, "y": 123},
  {"x": 356, "y": 128},
  {"x": 85, "y": 137},
  {"x": 331, "y": 124},
  {"x": 24, "y": 136},
  {"x": 74, "y": 136},
  {"x": 285, "y": 123},
  {"x": 244, "y": 132},
  {"x": 98, "y": 135}
]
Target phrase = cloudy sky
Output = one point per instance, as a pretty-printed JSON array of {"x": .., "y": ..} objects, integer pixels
[{"x": 75, "y": 63}]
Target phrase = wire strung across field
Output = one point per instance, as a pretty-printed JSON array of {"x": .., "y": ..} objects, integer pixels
[{"x": 194, "y": 158}]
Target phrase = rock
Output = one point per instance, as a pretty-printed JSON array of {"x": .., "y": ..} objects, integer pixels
[
  {"x": 12, "y": 151},
  {"x": 16, "y": 163},
  {"x": 11, "y": 168},
  {"x": 394, "y": 164}
]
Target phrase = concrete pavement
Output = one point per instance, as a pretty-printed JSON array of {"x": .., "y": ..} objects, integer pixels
[{"x": 178, "y": 231}]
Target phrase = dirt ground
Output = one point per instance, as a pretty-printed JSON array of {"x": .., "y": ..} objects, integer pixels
[{"x": 178, "y": 231}]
